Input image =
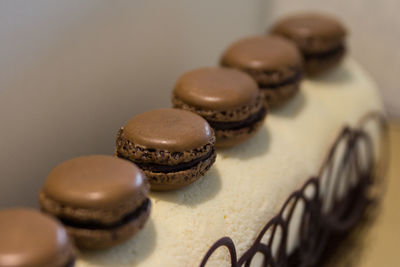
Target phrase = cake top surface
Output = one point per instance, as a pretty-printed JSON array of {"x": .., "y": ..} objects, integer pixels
[
  {"x": 268, "y": 53},
  {"x": 310, "y": 25},
  {"x": 216, "y": 89},
  {"x": 169, "y": 129},
  {"x": 96, "y": 181},
  {"x": 249, "y": 182},
  {"x": 32, "y": 239}
]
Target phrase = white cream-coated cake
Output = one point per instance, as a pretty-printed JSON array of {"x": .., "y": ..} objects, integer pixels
[{"x": 248, "y": 183}]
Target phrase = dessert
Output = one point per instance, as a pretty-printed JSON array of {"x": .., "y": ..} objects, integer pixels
[
  {"x": 173, "y": 147},
  {"x": 274, "y": 62},
  {"x": 250, "y": 182},
  {"x": 101, "y": 200},
  {"x": 320, "y": 38},
  {"x": 228, "y": 99},
  {"x": 30, "y": 238},
  {"x": 250, "y": 196}
]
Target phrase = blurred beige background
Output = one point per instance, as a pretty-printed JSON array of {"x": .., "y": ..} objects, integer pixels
[{"x": 72, "y": 72}]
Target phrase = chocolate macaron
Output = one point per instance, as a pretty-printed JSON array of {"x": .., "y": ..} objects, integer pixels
[
  {"x": 101, "y": 200},
  {"x": 173, "y": 147},
  {"x": 228, "y": 99},
  {"x": 274, "y": 62},
  {"x": 30, "y": 238},
  {"x": 320, "y": 38}
]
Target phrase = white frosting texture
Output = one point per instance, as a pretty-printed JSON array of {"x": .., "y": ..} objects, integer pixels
[{"x": 248, "y": 183}]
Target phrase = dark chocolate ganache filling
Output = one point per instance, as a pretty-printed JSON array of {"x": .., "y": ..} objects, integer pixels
[
  {"x": 234, "y": 125},
  {"x": 326, "y": 54},
  {"x": 292, "y": 80},
  {"x": 92, "y": 225},
  {"x": 153, "y": 167}
]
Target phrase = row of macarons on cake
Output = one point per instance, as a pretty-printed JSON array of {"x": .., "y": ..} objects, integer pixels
[{"x": 99, "y": 201}]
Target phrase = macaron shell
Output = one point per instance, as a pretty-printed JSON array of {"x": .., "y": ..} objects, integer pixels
[
  {"x": 96, "y": 182},
  {"x": 227, "y": 115},
  {"x": 312, "y": 32},
  {"x": 216, "y": 89},
  {"x": 32, "y": 239},
  {"x": 100, "y": 216},
  {"x": 169, "y": 129},
  {"x": 306, "y": 25},
  {"x": 274, "y": 78},
  {"x": 268, "y": 53}
]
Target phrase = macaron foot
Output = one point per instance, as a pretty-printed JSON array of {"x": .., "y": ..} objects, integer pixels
[
  {"x": 175, "y": 180},
  {"x": 95, "y": 237},
  {"x": 321, "y": 63}
]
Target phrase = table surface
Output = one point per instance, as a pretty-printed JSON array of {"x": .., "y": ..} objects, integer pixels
[{"x": 376, "y": 243}]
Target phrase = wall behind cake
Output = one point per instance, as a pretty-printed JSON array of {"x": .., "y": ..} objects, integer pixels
[
  {"x": 374, "y": 27},
  {"x": 72, "y": 72}
]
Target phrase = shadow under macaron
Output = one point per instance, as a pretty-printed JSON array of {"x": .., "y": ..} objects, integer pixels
[
  {"x": 139, "y": 247},
  {"x": 338, "y": 75},
  {"x": 256, "y": 146},
  {"x": 200, "y": 191},
  {"x": 292, "y": 108}
]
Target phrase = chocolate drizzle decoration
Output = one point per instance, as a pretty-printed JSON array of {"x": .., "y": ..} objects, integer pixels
[{"x": 328, "y": 205}]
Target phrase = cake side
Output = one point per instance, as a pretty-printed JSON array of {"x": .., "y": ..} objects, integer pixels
[{"x": 248, "y": 183}]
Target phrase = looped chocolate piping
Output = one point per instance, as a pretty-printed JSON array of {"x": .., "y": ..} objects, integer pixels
[
  {"x": 228, "y": 243},
  {"x": 328, "y": 209}
]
